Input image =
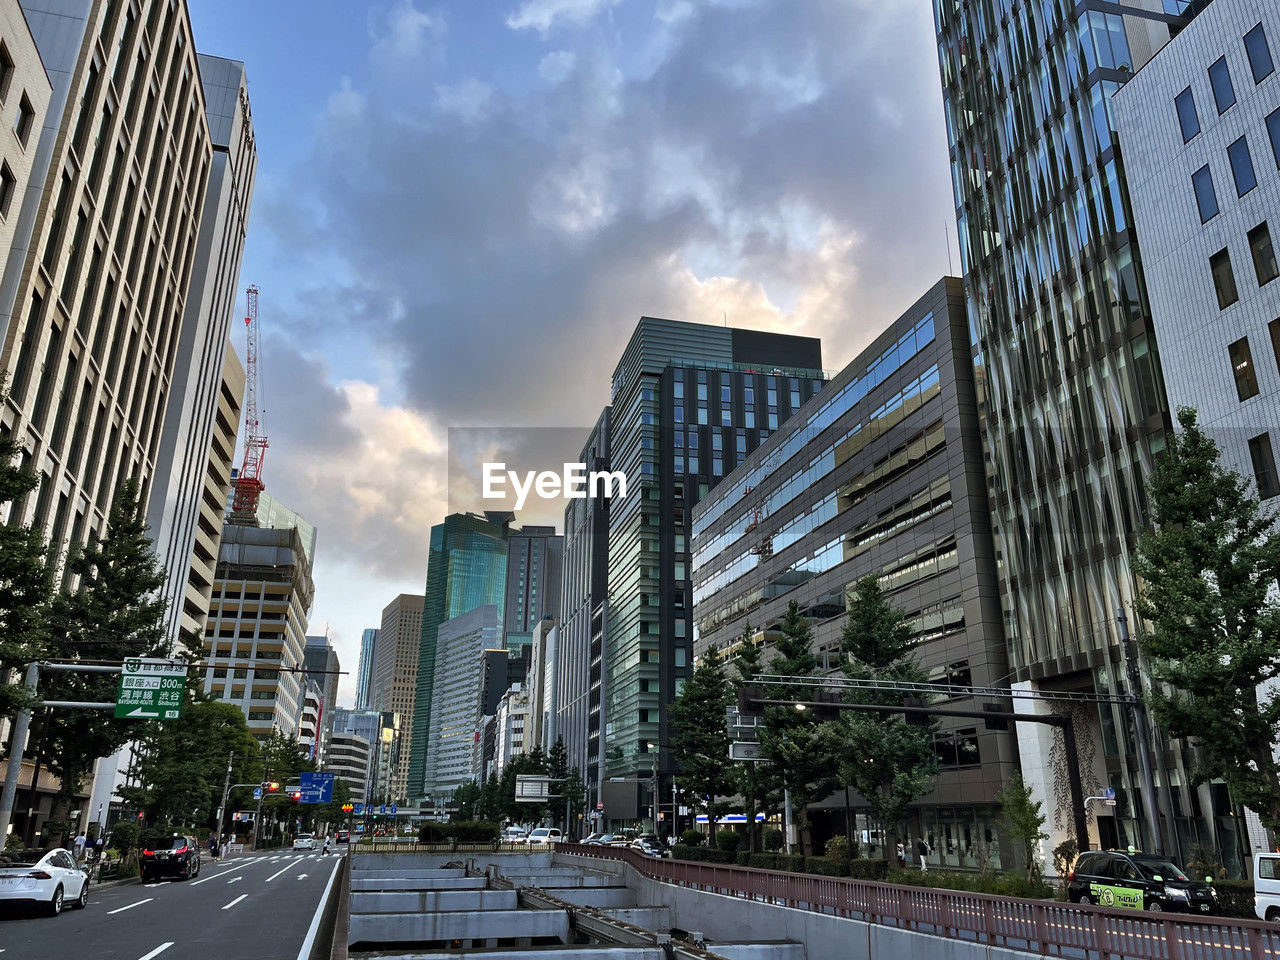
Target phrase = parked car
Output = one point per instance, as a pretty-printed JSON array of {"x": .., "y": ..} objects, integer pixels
[
  {"x": 344, "y": 836},
  {"x": 1137, "y": 881},
  {"x": 545, "y": 835},
  {"x": 304, "y": 841},
  {"x": 650, "y": 846},
  {"x": 1266, "y": 886},
  {"x": 600, "y": 839},
  {"x": 45, "y": 878},
  {"x": 514, "y": 835},
  {"x": 592, "y": 839},
  {"x": 175, "y": 856},
  {"x": 623, "y": 839}
]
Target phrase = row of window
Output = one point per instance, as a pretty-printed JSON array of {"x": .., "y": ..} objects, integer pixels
[
  {"x": 1224, "y": 94},
  {"x": 1264, "y": 265},
  {"x": 1242, "y": 171}
]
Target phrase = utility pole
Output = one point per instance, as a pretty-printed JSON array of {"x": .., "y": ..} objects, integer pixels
[
  {"x": 786, "y": 816},
  {"x": 1142, "y": 730},
  {"x": 654, "y": 793},
  {"x": 226, "y": 789},
  {"x": 21, "y": 726}
]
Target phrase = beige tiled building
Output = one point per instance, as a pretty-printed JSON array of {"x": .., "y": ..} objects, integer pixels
[{"x": 395, "y": 678}]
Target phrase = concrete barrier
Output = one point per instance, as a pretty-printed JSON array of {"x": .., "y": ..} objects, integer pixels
[
  {"x": 464, "y": 925},
  {"x": 595, "y": 896},
  {"x": 431, "y": 901},
  {"x": 359, "y": 882}
]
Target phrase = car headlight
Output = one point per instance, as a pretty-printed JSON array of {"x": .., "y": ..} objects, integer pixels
[{"x": 1174, "y": 893}]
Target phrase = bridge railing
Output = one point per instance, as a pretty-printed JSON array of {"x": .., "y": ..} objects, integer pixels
[{"x": 1047, "y": 927}]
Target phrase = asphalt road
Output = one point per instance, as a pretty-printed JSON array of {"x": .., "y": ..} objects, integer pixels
[{"x": 245, "y": 908}]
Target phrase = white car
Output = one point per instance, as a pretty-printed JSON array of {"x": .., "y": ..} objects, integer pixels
[
  {"x": 514, "y": 835},
  {"x": 47, "y": 878},
  {"x": 545, "y": 835},
  {"x": 304, "y": 841}
]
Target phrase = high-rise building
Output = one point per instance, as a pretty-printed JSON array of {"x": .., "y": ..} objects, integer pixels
[
  {"x": 541, "y": 684},
  {"x": 105, "y": 245},
  {"x": 310, "y": 719},
  {"x": 881, "y": 474},
  {"x": 466, "y": 569},
  {"x": 535, "y": 556},
  {"x": 396, "y": 676},
  {"x": 509, "y": 725},
  {"x": 1200, "y": 129},
  {"x": 461, "y": 643},
  {"x": 176, "y": 508},
  {"x": 690, "y": 401},
  {"x": 262, "y": 594},
  {"x": 1072, "y": 405},
  {"x": 583, "y": 596},
  {"x": 380, "y": 731},
  {"x": 368, "y": 659},
  {"x": 323, "y": 667},
  {"x": 351, "y": 758}
]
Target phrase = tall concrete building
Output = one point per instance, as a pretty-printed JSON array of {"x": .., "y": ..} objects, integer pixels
[
  {"x": 535, "y": 556},
  {"x": 541, "y": 684},
  {"x": 1064, "y": 343},
  {"x": 365, "y": 677},
  {"x": 396, "y": 675},
  {"x": 351, "y": 758},
  {"x": 690, "y": 401},
  {"x": 466, "y": 569},
  {"x": 583, "y": 607},
  {"x": 185, "y": 541},
  {"x": 94, "y": 292},
  {"x": 881, "y": 474},
  {"x": 461, "y": 643},
  {"x": 262, "y": 595},
  {"x": 323, "y": 667}
]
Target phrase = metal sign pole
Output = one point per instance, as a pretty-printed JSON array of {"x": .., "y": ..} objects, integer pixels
[{"x": 20, "y": 729}]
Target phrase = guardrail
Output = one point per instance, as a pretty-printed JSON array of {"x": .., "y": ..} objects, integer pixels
[{"x": 1048, "y": 927}]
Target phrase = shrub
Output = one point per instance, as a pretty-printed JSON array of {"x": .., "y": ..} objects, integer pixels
[
  {"x": 838, "y": 850},
  {"x": 692, "y": 838},
  {"x": 869, "y": 869},
  {"x": 703, "y": 854},
  {"x": 728, "y": 840},
  {"x": 124, "y": 837},
  {"x": 744, "y": 858},
  {"x": 773, "y": 839},
  {"x": 997, "y": 884},
  {"x": 1235, "y": 898},
  {"x": 472, "y": 831},
  {"x": 430, "y": 833},
  {"x": 826, "y": 867},
  {"x": 777, "y": 861}
]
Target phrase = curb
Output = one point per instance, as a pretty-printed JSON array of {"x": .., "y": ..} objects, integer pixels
[{"x": 108, "y": 884}]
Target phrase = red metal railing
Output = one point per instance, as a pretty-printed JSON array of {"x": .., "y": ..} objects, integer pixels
[{"x": 1047, "y": 927}]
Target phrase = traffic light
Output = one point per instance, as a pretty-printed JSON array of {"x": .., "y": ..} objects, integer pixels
[
  {"x": 295, "y": 795},
  {"x": 749, "y": 701},
  {"x": 273, "y": 787}
]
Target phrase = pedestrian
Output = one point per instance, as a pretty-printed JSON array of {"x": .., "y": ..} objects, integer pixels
[
  {"x": 80, "y": 841},
  {"x": 213, "y": 846},
  {"x": 326, "y": 844},
  {"x": 902, "y": 854},
  {"x": 922, "y": 848}
]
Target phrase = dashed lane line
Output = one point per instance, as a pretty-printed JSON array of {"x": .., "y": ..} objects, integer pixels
[
  {"x": 130, "y": 906},
  {"x": 235, "y": 901},
  {"x": 154, "y": 953}
]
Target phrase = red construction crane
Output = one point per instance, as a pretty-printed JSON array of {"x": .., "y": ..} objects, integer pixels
[{"x": 249, "y": 482}]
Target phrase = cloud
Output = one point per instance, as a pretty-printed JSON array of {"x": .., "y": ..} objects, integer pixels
[{"x": 542, "y": 15}]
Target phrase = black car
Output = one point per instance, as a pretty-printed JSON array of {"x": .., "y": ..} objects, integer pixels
[
  {"x": 1137, "y": 881},
  {"x": 344, "y": 836},
  {"x": 175, "y": 856}
]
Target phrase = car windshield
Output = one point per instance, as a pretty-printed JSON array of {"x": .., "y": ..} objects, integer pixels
[
  {"x": 540, "y": 833},
  {"x": 305, "y": 836},
  {"x": 168, "y": 843},
  {"x": 1160, "y": 870},
  {"x": 21, "y": 858},
  {"x": 606, "y": 838}
]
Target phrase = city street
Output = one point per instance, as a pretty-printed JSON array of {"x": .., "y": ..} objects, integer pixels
[{"x": 261, "y": 907}]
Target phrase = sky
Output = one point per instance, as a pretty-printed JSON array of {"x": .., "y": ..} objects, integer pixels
[{"x": 463, "y": 208}]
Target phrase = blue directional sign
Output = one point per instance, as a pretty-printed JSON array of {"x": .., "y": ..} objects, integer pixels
[
  {"x": 257, "y": 793},
  {"x": 316, "y": 788},
  {"x": 382, "y": 809},
  {"x": 392, "y": 811},
  {"x": 359, "y": 811}
]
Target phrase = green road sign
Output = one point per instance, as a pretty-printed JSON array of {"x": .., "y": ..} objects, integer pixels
[{"x": 151, "y": 689}]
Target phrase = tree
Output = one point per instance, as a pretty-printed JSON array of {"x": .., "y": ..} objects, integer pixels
[
  {"x": 558, "y": 761},
  {"x": 755, "y": 782},
  {"x": 467, "y": 800},
  {"x": 26, "y": 580},
  {"x": 490, "y": 804},
  {"x": 1209, "y": 627},
  {"x": 888, "y": 759},
  {"x": 574, "y": 798},
  {"x": 699, "y": 740},
  {"x": 802, "y": 747},
  {"x": 116, "y": 612},
  {"x": 1023, "y": 821}
]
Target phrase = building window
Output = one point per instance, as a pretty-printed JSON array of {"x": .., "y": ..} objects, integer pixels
[
  {"x": 1242, "y": 166},
  {"x": 8, "y": 185},
  {"x": 1224, "y": 281},
  {"x": 1273, "y": 131},
  {"x": 1264, "y": 465},
  {"x": 1242, "y": 369},
  {"x": 1264, "y": 255},
  {"x": 1274, "y": 329},
  {"x": 1224, "y": 95},
  {"x": 6, "y": 71},
  {"x": 1255, "y": 45},
  {"x": 1185, "y": 102},
  {"x": 1206, "y": 199},
  {"x": 23, "y": 121}
]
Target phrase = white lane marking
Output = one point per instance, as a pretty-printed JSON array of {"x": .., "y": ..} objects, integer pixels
[
  {"x": 236, "y": 869},
  {"x": 234, "y": 879},
  {"x": 291, "y": 863},
  {"x": 305, "y": 952},
  {"x": 302, "y": 876},
  {"x": 154, "y": 953},
  {"x": 131, "y": 906},
  {"x": 235, "y": 901}
]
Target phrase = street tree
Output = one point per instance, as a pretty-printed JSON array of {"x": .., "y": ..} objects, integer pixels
[
  {"x": 802, "y": 747},
  {"x": 887, "y": 758},
  {"x": 466, "y": 800},
  {"x": 26, "y": 578},
  {"x": 1210, "y": 625},
  {"x": 1023, "y": 821},
  {"x": 756, "y": 783},
  {"x": 573, "y": 798},
  {"x": 109, "y": 609},
  {"x": 699, "y": 740}
]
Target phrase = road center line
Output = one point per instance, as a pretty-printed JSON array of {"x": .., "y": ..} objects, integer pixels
[
  {"x": 131, "y": 906},
  {"x": 157, "y": 951},
  {"x": 224, "y": 873},
  {"x": 235, "y": 901},
  {"x": 305, "y": 952},
  {"x": 282, "y": 870}
]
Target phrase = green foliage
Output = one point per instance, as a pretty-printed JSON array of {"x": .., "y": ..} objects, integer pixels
[
  {"x": 459, "y": 831},
  {"x": 1203, "y": 862},
  {"x": 839, "y": 849},
  {"x": 869, "y": 869},
  {"x": 773, "y": 839},
  {"x": 1209, "y": 628},
  {"x": 728, "y": 840},
  {"x": 1064, "y": 858},
  {"x": 886, "y": 759},
  {"x": 573, "y": 793},
  {"x": 997, "y": 884},
  {"x": 699, "y": 740},
  {"x": 1023, "y": 822},
  {"x": 115, "y": 612},
  {"x": 756, "y": 783},
  {"x": 431, "y": 832},
  {"x": 467, "y": 800},
  {"x": 26, "y": 579},
  {"x": 777, "y": 861},
  {"x": 703, "y": 854},
  {"x": 692, "y": 838},
  {"x": 13, "y": 842},
  {"x": 558, "y": 761},
  {"x": 124, "y": 837},
  {"x": 1235, "y": 898},
  {"x": 803, "y": 749}
]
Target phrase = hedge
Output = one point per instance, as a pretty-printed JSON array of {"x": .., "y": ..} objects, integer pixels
[
  {"x": 999, "y": 884},
  {"x": 1235, "y": 898},
  {"x": 776, "y": 861},
  {"x": 703, "y": 854},
  {"x": 869, "y": 869},
  {"x": 464, "y": 831}
]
